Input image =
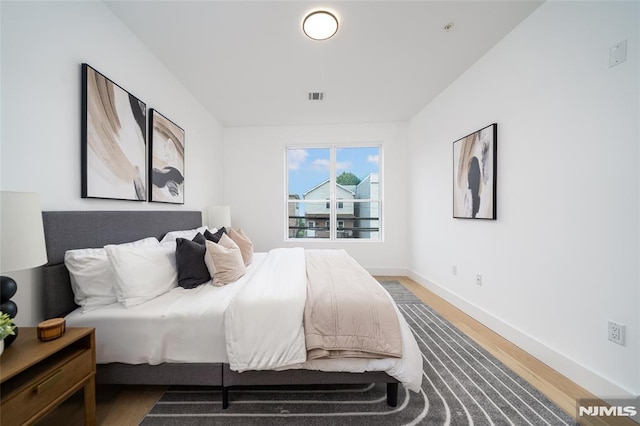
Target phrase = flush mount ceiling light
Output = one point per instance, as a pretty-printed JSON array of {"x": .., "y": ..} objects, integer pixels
[{"x": 320, "y": 25}]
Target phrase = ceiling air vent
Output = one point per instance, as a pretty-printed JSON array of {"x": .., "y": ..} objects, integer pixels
[{"x": 316, "y": 96}]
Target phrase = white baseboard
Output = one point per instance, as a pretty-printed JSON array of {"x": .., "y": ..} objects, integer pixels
[
  {"x": 594, "y": 383},
  {"x": 388, "y": 272}
]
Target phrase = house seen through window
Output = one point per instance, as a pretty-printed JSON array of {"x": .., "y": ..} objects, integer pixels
[{"x": 334, "y": 192}]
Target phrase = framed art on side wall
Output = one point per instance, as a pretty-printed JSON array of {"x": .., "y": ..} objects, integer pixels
[
  {"x": 166, "y": 176},
  {"x": 114, "y": 135},
  {"x": 474, "y": 174}
]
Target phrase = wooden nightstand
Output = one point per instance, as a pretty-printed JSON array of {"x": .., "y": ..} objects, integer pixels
[{"x": 37, "y": 376}]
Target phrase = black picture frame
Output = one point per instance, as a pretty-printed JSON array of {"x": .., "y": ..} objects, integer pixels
[
  {"x": 166, "y": 160},
  {"x": 113, "y": 140},
  {"x": 475, "y": 166}
]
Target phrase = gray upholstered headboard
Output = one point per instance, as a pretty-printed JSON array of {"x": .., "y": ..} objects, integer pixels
[{"x": 67, "y": 230}]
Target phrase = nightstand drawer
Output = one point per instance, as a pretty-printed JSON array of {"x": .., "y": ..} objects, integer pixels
[{"x": 40, "y": 387}]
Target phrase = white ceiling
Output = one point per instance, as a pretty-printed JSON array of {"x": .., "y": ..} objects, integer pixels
[{"x": 249, "y": 63}]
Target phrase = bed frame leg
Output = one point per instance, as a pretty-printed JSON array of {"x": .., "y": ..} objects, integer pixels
[
  {"x": 225, "y": 398},
  {"x": 392, "y": 394}
]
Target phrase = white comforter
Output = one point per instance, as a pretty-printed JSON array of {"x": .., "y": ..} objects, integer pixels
[
  {"x": 264, "y": 326},
  {"x": 179, "y": 326},
  {"x": 264, "y": 321}
]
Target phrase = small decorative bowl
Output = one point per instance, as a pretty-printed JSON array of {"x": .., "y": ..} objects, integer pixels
[{"x": 51, "y": 329}]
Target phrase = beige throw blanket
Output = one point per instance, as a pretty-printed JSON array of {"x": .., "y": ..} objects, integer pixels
[{"x": 347, "y": 313}]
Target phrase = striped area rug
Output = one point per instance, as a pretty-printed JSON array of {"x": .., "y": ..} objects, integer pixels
[{"x": 462, "y": 385}]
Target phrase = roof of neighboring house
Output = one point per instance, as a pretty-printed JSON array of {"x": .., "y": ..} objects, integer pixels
[{"x": 325, "y": 182}]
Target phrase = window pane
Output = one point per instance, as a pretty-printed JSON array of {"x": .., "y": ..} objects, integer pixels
[
  {"x": 308, "y": 173},
  {"x": 359, "y": 220},
  {"x": 357, "y": 172},
  {"x": 308, "y": 220}
]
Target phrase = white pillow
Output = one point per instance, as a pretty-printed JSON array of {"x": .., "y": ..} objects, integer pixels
[
  {"x": 142, "y": 273},
  {"x": 188, "y": 234},
  {"x": 91, "y": 276}
]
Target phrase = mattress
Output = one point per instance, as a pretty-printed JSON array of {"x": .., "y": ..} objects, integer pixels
[{"x": 188, "y": 326}]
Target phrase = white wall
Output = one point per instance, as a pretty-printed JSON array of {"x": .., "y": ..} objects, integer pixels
[
  {"x": 254, "y": 164},
  {"x": 43, "y": 45},
  {"x": 562, "y": 258}
]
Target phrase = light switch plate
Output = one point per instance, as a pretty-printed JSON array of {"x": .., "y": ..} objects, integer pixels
[{"x": 618, "y": 54}]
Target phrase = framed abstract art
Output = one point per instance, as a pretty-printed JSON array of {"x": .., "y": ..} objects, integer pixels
[
  {"x": 113, "y": 134},
  {"x": 166, "y": 160},
  {"x": 474, "y": 174}
]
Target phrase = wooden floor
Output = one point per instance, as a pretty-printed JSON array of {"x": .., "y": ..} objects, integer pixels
[{"x": 127, "y": 405}]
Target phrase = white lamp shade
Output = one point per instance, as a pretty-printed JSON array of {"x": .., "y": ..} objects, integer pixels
[
  {"x": 219, "y": 216},
  {"x": 21, "y": 231}
]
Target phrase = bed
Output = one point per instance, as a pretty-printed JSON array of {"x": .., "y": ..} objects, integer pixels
[{"x": 86, "y": 229}]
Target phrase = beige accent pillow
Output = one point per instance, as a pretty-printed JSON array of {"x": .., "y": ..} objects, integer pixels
[
  {"x": 245, "y": 244},
  {"x": 224, "y": 261}
]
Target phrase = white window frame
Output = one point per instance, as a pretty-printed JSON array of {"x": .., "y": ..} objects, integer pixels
[{"x": 333, "y": 200}]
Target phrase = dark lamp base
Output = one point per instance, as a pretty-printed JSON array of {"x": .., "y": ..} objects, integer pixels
[{"x": 8, "y": 288}]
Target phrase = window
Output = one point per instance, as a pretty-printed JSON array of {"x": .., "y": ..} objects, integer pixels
[{"x": 337, "y": 186}]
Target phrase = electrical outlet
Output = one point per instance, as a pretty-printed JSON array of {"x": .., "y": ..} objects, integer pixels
[
  {"x": 479, "y": 279},
  {"x": 454, "y": 269},
  {"x": 616, "y": 332}
]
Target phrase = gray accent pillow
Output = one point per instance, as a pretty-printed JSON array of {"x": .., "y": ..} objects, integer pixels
[
  {"x": 192, "y": 271},
  {"x": 215, "y": 237}
]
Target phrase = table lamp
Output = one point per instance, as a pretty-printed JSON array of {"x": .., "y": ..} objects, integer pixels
[
  {"x": 219, "y": 216},
  {"x": 22, "y": 244}
]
